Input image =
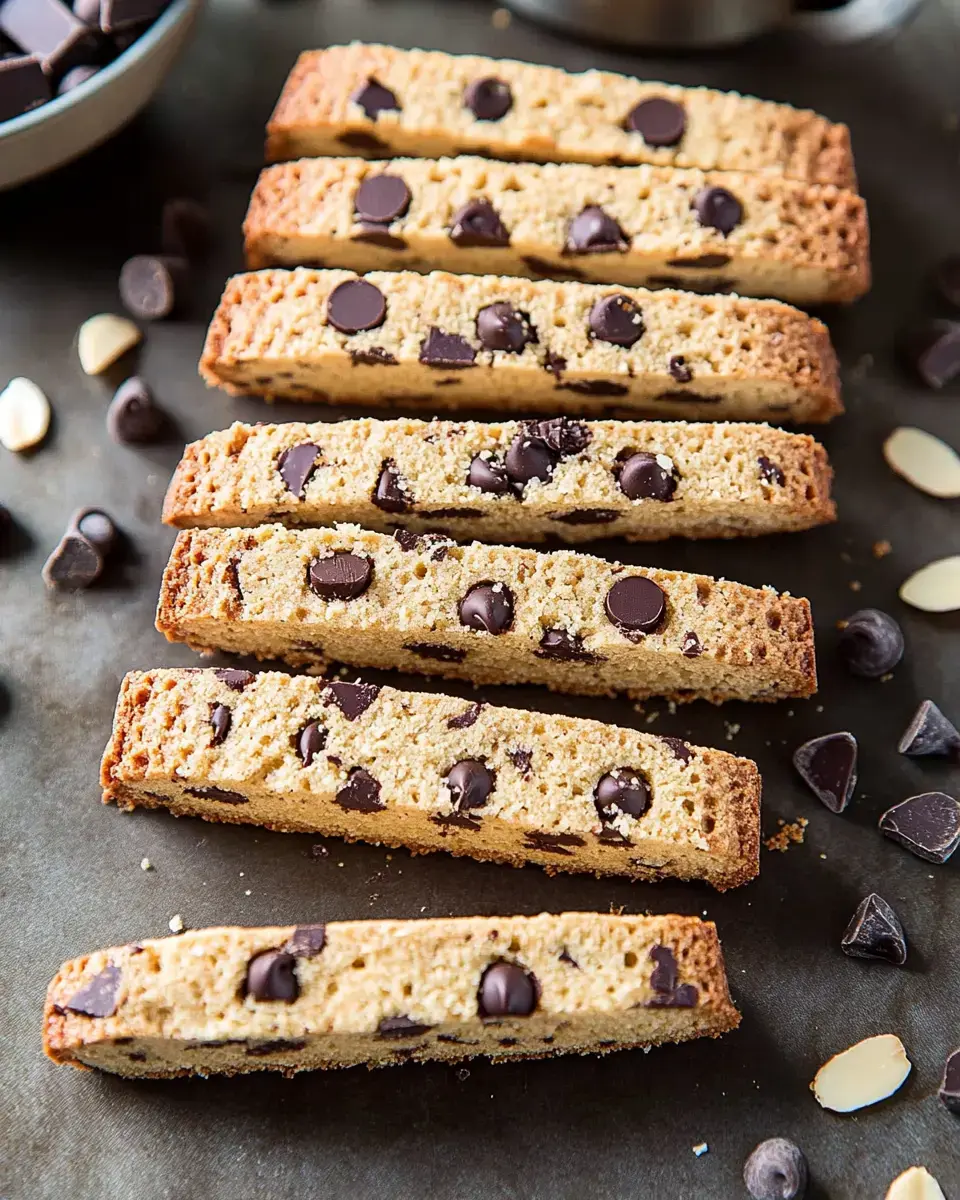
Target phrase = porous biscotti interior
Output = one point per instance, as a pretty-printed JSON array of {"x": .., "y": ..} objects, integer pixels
[
  {"x": 805, "y": 243},
  {"x": 702, "y": 821},
  {"x": 247, "y": 591},
  {"x": 747, "y": 359},
  {"x": 731, "y": 480},
  {"x": 554, "y": 116},
  {"x": 383, "y": 992}
]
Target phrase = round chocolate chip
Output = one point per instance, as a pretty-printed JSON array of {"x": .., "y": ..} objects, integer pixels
[
  {"x": 149, "y": 283},
  {"x": 636, "y": 604},
  {"x": 506, "y": 990},
  {"x": 501, "y": 327},
  {"x": 488, "y": 99},
  {"x": 660, "y": 122},
  {"x": 220, "y": 721},
  {"x": 645, "y": 476},
  {"x": 871, "y": 643},
  {"x": 133, "y": 419},
  {"x": 356, "y": 305},
  {"x": 622, "y": 790},
  {"x": 390, "y": 493},
  {"x": 98, "y": 528},
  {"x": 487, "y": 607},
  {"x": 374, "y": 98},
  {"x": 718, "y": 209},
  {"x": 593, "y": 231},
  {"x": 272, "y": 976},
  {"x": 340, "y": 576},
  {"x": 310, "y": 741},
  {"x": 470, "y": 783},
  {"x": 381, "y": 199},
  {"x": 296, "y": 465},
  {"x": 616, "y": 319},
  {"x": 489, "y": 474},
  {"x": 478, "y": 223},
  {"x": 529, "y": 457}
]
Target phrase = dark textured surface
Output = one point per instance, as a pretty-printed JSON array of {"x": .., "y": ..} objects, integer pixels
[{"x": 616, "y": 1127}]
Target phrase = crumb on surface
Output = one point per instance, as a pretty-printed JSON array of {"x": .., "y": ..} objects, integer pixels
[
  {"x": 176, "y": 924},
  {"x": 788, "y": 833},
  {"x": 855, "y": 585},
  {"x": 841, "y": 625},
  {"x": 146, "y": 864},
  {"x": 881, "y": 549},
  {"x": 500, "y": 18},
  {"x": 732, "y": 728},
  {"x": 700, "y": 1149}
]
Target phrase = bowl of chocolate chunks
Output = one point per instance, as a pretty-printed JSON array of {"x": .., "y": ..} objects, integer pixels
[{"x": 74, "y": 72}]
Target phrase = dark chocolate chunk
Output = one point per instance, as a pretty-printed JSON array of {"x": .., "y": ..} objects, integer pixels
[
  {"x": 689, "y": 397},
  {"x": 478, "y": 223},
  {"x": 561, "y": 435},
  {"x": 353, "y": 699},
  {"x": 930, "y": 733},
  {"x": 933, "y": 350},
  {"x": 272, "y": 975},
  {"x": 554, "y": 364},
  {"x": 703, "y": 262},
  {"x": 489, "y": 98},
  {"x": 927, "y": 825},
  {"x": 704, "y": 286},
  {"x": 372, "y": 356},
  {"x": 622, "y": 790},
  {"x": 949, "y": 1092},
  {"x": 828, "y": 766},
  {"x": 593, "y": 231},
  {"x": 718, "y": 209},
  {"x": 776, "y": 1170},
  {"x": 549, "y": 270},
  {"x": 360, "y": 139},
  {"x": 97, "y": 527},
  {"x": 374, "y": 98},
  {"x": 275, "y": 1046},
  {"x": 149, "y": 284},
  {"x": 381, "y": 199},
  {"x": 664, "y": 981},
  {"x": 73, "y": 565},
  {"x": 770, "y": 471},
  {"x": 642, "y": 476},
  {"x": 616, "y": 319},
  {"x": 296, "y": 466},
  {"x": 98, "y": 998},
  {"x": 453, "y": 512},
  {"x": 552, "y": 843},
  {"x": 471, "y": 783},
  {"x": 680, "y": 748},
  {"x": 636, "y": 604},
  {"x": 487, "y": 607},
  {"x": 566, "y": 957},
  {"x": 220, "y": 720},
  {"x": 401, "y": 1027},
  {"x": 133, "y": 419},
  {"x": 685, "y": 996},
  {"x": 522, "y": 759},
  {"x": 340, "y": 576},
  {"x": 594, "y": 387},
  {"x": 420, "y": 543},
  {"x": 221, "y": 795},
  {"x": 500, "y": 326},
  {"x": 307, "y": 941},
  {"x": 585, "y": 516},
  {"x": 436, "y": 651},
  {"x": 467, "y": 718},
  {"x": 356, "y": 305},
  {"x": 310, "y": 741},
  {"x": 185, "y": 229},
  {"x": 391, "y": 494},
  {"x": 507, "y": 990},
  {"x": 875, "y": 932},
  {"x": 947, "y": 280},
  {"x": 677, "y": 366},
  {"x": 361, "y": 793},
  {"x": 660, "y": 122},
  {"x": 447, "y": 350},
  {"x": 235, "y": 678},
  {"x": 564, "y": 646},
  {"x": 23, "y": 86},
  {"x": 75, "y": 77},
  {"x": 870, "y": 643},
  {"x": 690, "y": 647},
  {"x": 50, "y": 31},
  {"x": 460, "y": 820}
]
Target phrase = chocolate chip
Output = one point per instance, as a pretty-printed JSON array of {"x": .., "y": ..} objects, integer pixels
[
  {"x": 377, "y": 235},
  {"x": 594, "y": 387},
  {"x": 149, "y": 284},
  {"x": 310, "y": 741},
  {"x": 549, "y": 270},
  {"x": 98, "y": 998},
  {"x": 276, "y": 1046},
  {"x": 235, "y": 678},
  {"x": 718, "y": 209},
  {"x": 927, "y": 825},
  {"x": 554, "y": 364},
  {"x": 663, "y": 980},
  {"x": 507, "y": 990},
  {"x": 593, "y": 231},
  {"x": 703, "y": 262},
  {"x": 681, "y": 749},
  {"x": 355, "y": 305},
  {"x": 307, "y": 941},
  {"x": 470, "y": 783},
  {"x": 353, "y": 699},
  {"x": 677, "y": 366},
  {"x": 296, "y": 466},
  {"x": 522, "y": 759},
  {"x": 776, "y": 1170},
  {"x": 828, "y": 766},
  {"x": 372, "y": 356},
  {"x": 487, "y": 607},
  {"x": 660, "y": 122},
  {"x": 562, "y": 435},
  {"x": 381, "y": 199},
  {"x": 391, "y": 494},
  {"x": 467, "y": 718},
  {"x": 871, "y": 643},
  {"x": 616, "y": 319},
  {"x": 340, "y": 576},
  {"x": 489, "y": 98},
  {"x": 73, "y": 565},
  {"x": 489, "y": 474},
  {"x": 949, "y": 1091},
  {"x": 529, "y": 457},
  {"x": 97, "y": 527},
  {"x": 221, "y": 795},
  {"x": 272, "y": 976},
  {"x": 500, "y": 326},
  {"x": 770, "y": 471},
  {"x": 875, "y": 932},
  {"x": 361, "y": 793},
  {"x": 930, "y": 733},
  {"x": 564, "y": 646},
  {"x": 400, "y": 1027},
  {"x": 688, "y": 397},
  {"x": 185, "y": 228},
  {"x": 220, "y": 721},
  {"x": 133, "y": 419},
  {"x": 478, "y": 223},
  {"x": 460, "y": 820},
  {"x": 436, "y": 651},
  {"x": 622, "y": 790},
  {"x": 447, "y": 350},
  {"x": 374, "y": 98},
  {"x": 947, "y": 280},
  {"x": 566, "y": 957},
  {"x": 690, "y": 647},
  {"x": 360, "y": 139},
  {"x": 585, "y": 516},
  {"x": 643, "y": 476},
  {"x": 552, "y": 843},
  {"x": 636, "y": 604},
  {"x": 933, "y": 350}
]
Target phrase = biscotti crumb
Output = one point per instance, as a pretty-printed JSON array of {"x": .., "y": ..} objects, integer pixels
[
  {"x": 176, "y": 924},
  {"x": 500, "y": 18},
  {"x": 146, "y": 864},
  {"x": 881, "y": 549},
  {"x": 788, "y": 834}
]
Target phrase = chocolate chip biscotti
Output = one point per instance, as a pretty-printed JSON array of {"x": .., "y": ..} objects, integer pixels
[
  {"x": 514, "y": 345},
  {"x": 383, "y": 102},
  {"x": 292, "y": 998},
  {"x": 507, "y": 482},
  {"x": 431, "y": 772},
  {"x": 758, "y": 235},
  {"x": 488, "y": 614}
]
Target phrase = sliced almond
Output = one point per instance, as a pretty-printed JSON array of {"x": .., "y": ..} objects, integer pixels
[
  {"x": 935, "y": 587},
  {"x": 864, "y": 1074},
  {"x": 925, "y": 461},
  {"x": 103, "y": 339},
  {"x": 24, "y": 414},
  {"x": 916, "y": 1183}
]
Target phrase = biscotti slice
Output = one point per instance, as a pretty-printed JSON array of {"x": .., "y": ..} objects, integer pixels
[
  {"x": 758, "y": 235},
  {"x": 515, "y": 345},
  {"x": 292, "y": 998},
  {"x": 431, "y": 772},
  {"x": 641, "y": 481},
  {"x": 488, "y": 614},
  {"x": 381, "y": 102}
]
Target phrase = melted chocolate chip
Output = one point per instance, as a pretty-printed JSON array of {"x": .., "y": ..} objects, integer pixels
[
  {"x": 272, "y": 976},
  {"x": 488, "y": 98},
  {"x": 489, "y": 474},
  {"x": 487, "y": 607},
  {"x": 593, "y": 231},
  {"x": 585, "y": 516},
  {"x": 381, "y": 199},
  {"x": 235, "y": 678},
  {"x": 98, "y": 998},
  {"x": 220, "y": 719},
  {"x": 770, "y": 472},
  {"x": 467, "y": 718},
  {"x": 361, "y": 793},
  {"x": 664, "y": 981},
  {"x": 680, "y": 749},
  {"x": 378, "y": 235},
  {"x": 500, "y": 326},
  {"x": 310, "y": 741},
  {"x": 622, "y": 790},
  {"x": 401, "y": 1027},
  {"x": 642, "y": 476},
  {"x": 507, "y": 990},
  {"x": 436, "y": 651},
  {"x": 470, "y": 782},
  {"x": 360, "y": 139},
  {"x": 391, "y": 493},
  {"x": 616, "y": 319},
  {"x": 594, "y": 387},
  {"x": 340, "y": 576},
  {"x": 636, "y": 605},
  {"x": 372, "y": 356},
  {"x": 703, "y": 262},
  {"x": 374, "y": 99},
  {"x": 552, "y": 843},
  {"x": 549, "y": 270},
  {"x": 446, "y": 350},
  {"x": 356, "y": 305},
  {"x": 718, "y": 209},
  {"x": 460, "y": 820},
  {"x": 564, "y": 646},
  {"x": 478, "y": 223},
  {"x": 276, "y": 1046},
  {"x": 660, "y": 122},
  {"x": 221, "y": 795}
]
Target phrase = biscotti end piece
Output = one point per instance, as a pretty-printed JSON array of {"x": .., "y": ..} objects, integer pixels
[
  {"x": 293, "y": 998},
  {"x": 488, "y": 614},
  {"x": 639, "y": 480},
  {"x": 431, "y": 772},
  {"x": 637, "y": 226},
  {"x": 383, "y": 102},
  {"x": 395, "y": 339}
]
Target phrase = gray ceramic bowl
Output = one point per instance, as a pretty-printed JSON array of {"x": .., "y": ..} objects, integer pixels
[{"x": 69, "y": 126}]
